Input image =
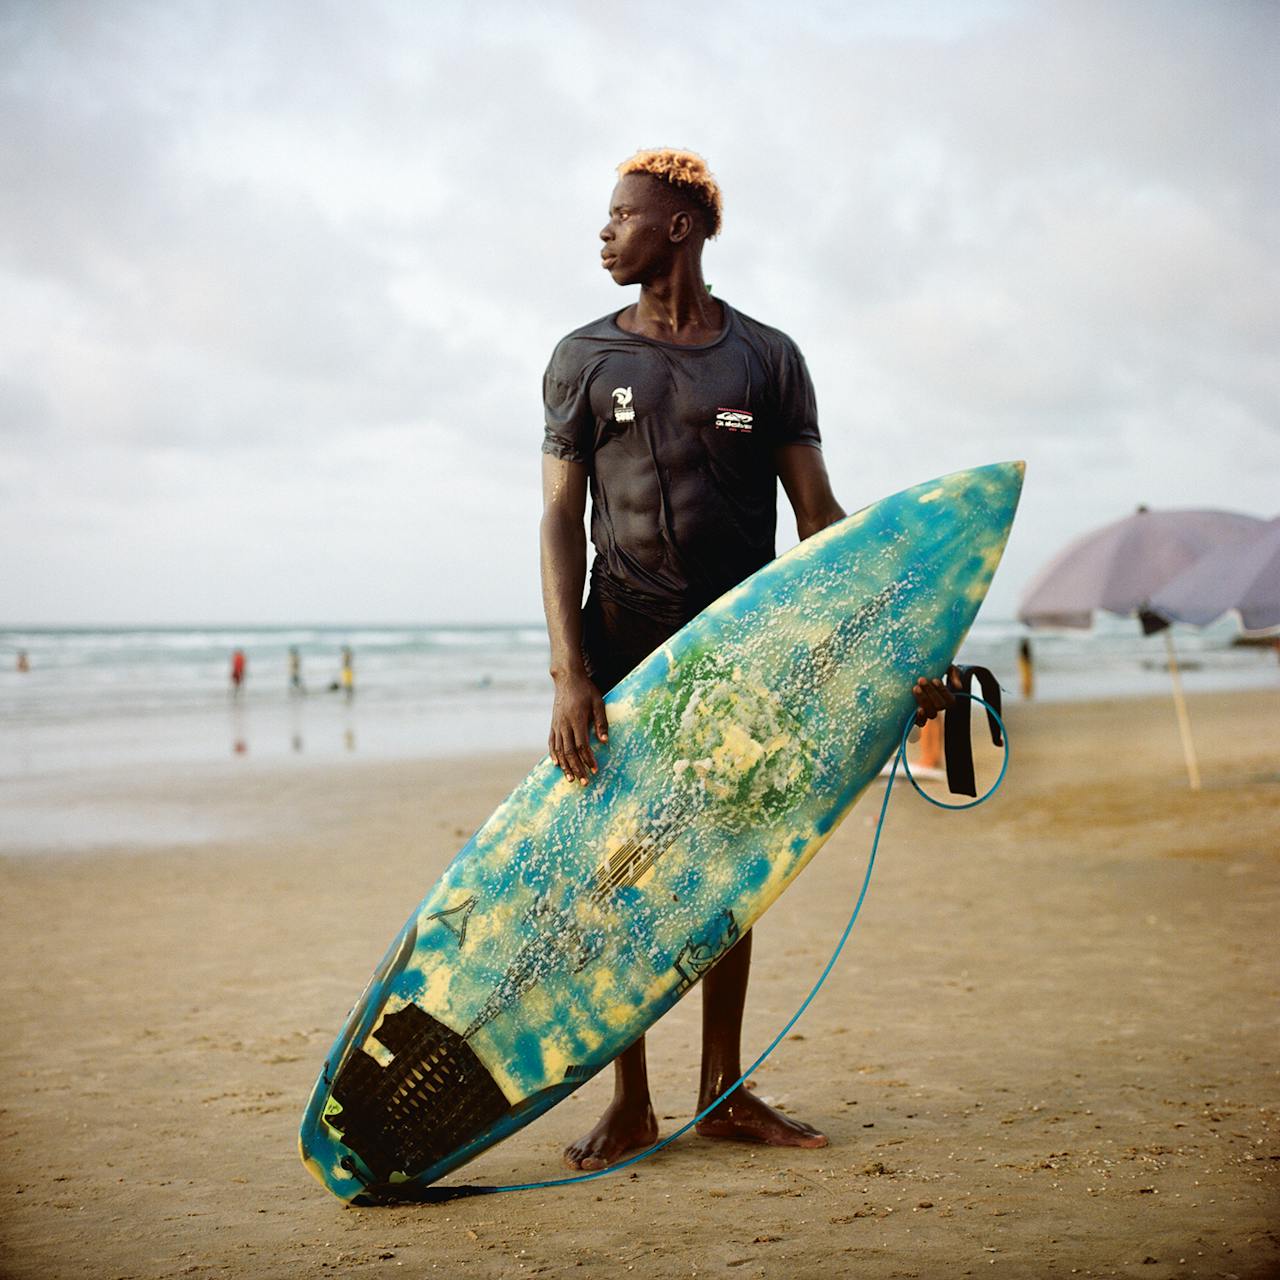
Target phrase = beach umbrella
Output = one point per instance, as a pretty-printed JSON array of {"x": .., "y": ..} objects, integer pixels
[
  {"x": 1244, "y": 577},
  {"x": 1120, "y": 568}
]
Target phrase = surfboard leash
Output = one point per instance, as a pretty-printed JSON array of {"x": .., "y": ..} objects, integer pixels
[{"x": 955, "y": 743}]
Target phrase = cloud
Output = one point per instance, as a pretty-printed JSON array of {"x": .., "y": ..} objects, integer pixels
[{"x": 277, "y": 283}]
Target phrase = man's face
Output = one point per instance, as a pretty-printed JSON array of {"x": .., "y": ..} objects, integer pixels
[{"x": 637, "y": 238}]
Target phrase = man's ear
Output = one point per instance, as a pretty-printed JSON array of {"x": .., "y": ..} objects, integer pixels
[{"x": 680, "y": 227}]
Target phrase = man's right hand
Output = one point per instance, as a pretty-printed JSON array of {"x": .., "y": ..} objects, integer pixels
[{"x": 578, "y": 708}]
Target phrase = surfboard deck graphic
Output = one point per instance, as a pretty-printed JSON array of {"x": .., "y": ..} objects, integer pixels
[{"x": 575, "y": 917}]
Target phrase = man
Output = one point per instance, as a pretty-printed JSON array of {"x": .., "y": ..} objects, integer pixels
[{"x": 680, "y": 415}]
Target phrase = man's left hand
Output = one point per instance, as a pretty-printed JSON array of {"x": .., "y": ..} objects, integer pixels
[{"x": 934, "y": 695}]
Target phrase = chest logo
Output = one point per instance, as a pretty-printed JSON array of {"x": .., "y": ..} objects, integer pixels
[
  {"x": 734, "y": 420},
  {"x": 622, "y": 410}
]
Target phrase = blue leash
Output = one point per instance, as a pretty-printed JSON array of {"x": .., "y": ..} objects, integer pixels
[{"x": 440, "y": 1194}]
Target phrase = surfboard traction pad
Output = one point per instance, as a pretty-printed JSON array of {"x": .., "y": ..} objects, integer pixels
[
  {"x": 411, "y": 1096},
  {"x": 436, "y": 1096},
  {"x": 433, "y": 1098}
]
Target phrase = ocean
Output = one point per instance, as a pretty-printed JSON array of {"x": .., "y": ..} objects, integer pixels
[{"x": 101, "y": 697}]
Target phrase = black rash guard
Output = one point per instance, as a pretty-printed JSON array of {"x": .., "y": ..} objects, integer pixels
[{"x": 679, "y": 444}]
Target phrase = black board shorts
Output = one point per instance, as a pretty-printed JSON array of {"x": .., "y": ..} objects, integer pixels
[{"x": 616, "y": 639}]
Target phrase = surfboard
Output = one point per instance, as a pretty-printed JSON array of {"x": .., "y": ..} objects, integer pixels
[{"x": 576, "y": 917}]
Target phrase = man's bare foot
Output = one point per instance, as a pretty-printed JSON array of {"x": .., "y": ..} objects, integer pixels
[
  {"x": 621, "y": 1130},
  {"x": 742, "y": 1117}
]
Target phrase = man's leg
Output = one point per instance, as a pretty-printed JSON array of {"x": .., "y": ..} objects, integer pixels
[
  {"x": 628, "y": 1122},
  {"x": 614, "y": 640},
  {"x": 742, "y": 1116}
]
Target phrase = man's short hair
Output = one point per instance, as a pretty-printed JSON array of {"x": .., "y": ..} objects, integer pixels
[{"x": 685, "y": 172}]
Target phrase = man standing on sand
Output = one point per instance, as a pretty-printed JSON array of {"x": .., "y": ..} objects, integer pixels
[{"x": 680, "y": 416}]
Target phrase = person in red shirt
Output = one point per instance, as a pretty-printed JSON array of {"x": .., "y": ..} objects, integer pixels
[{"x": 238, "y": 665}]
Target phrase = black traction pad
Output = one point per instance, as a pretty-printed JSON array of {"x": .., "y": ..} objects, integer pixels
[{"x": 434, "y": 1096}]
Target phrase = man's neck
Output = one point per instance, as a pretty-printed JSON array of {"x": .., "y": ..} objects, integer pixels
[{"x": 676, "y": 308}]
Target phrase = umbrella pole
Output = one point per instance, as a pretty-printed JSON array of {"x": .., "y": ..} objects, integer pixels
[{"x": 1184, "y": 720}]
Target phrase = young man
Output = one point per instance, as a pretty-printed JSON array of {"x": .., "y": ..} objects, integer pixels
[{"x": 680, "y": 415}]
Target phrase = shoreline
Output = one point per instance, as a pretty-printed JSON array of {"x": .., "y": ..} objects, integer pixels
[
  {"x": 1051, "y": 1043},
  {"x": 72, "y": 802},
  {"x": 153, "y": 696}
]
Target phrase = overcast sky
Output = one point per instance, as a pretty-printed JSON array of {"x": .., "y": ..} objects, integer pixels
[{"x": 278, "y": 281}]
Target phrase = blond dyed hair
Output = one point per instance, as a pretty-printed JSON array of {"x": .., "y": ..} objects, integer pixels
[{"x": 685, "y": 172}]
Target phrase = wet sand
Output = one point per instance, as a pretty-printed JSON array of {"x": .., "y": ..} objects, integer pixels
[{"x": 1052, "y": 1047}]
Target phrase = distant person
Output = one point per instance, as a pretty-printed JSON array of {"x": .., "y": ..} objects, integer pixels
[
  {"x": 348, "y": 673},
  {"x": 295, "y": 671},
  {"x": 929, "y": 761},
  {"x": 1026, "y": 669},
  {"x": 239, "y": 663},
  {"x": 23, "y": 663},
  {"x": 927, "y": 765}
]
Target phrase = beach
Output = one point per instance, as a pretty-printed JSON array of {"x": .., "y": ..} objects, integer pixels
[{"x": 1052, "y": 1046}]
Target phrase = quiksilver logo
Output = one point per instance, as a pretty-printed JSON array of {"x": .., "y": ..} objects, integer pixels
[
  {"x": 622, "y": 410},
  {"x": 733, "y": 420}
]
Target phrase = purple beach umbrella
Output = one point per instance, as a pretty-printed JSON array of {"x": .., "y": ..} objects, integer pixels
[
  {"x": 1244, "y": 577},
  {"x": 1122, "y": 567}
]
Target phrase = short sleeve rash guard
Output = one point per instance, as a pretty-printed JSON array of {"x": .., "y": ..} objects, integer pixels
[{"x": 679, "y": 444}]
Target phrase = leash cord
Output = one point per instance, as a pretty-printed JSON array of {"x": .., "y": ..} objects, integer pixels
[{"x": 438, "y": 1194}]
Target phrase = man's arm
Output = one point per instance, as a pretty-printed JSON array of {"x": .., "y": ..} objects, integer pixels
[
  {"x": 578, "y": 705},
  {"x": 803, "y": 473}
]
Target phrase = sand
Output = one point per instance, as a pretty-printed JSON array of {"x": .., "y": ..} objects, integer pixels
[{"x": 1052, "y": 1048}]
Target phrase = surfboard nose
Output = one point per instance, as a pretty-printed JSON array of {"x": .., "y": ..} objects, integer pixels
[
  {"x": 1015, "y": 470},
  {"x": 1001, "y": 481}
]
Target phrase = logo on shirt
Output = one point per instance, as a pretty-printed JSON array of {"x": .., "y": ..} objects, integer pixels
[
  {"x": 622, "y": 410},
  {"x": 734, "y": 420}
]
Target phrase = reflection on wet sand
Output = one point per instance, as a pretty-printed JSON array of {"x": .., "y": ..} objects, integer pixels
[
  {"x": 239, "y": 736},
  {"x": 296, "y": 735}
]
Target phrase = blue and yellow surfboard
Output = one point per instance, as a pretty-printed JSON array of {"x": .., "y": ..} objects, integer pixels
[{"x": 576, "y": 917}]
